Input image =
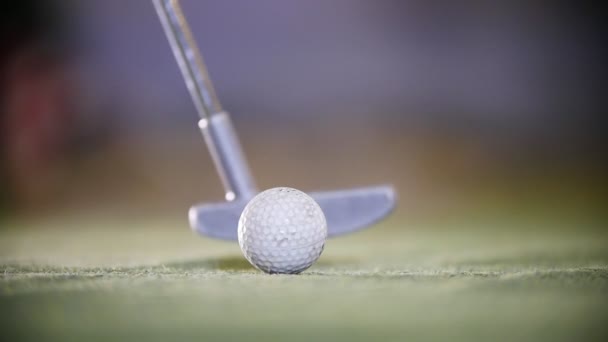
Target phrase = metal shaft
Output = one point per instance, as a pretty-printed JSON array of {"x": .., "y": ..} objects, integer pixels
[
  {"x": 215, "y": 124},
  {"x": 188, "y": 57}
]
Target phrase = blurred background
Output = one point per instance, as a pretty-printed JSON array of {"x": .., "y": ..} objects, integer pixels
[{"x": 472, "y": 110}]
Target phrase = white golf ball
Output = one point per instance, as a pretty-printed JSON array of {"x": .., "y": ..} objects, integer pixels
[{"x": 282, "y": 230}]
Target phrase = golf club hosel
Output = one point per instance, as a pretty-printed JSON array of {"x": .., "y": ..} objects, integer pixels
[{"x": 228, "y": 156}]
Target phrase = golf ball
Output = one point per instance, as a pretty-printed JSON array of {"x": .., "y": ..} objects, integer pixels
[{"x": 282, "y": 230}]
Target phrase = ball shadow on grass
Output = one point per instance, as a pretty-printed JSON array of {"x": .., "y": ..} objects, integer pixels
[{"x": 239, "y": 263}]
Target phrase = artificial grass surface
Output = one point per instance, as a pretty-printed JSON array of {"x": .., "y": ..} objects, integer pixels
[{"x": 394, "y": 282}]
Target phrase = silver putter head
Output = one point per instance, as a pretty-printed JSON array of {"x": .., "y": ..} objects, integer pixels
[{"x": 346, "y": 211}]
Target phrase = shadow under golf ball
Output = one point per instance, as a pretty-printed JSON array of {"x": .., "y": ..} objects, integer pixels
[{"x": 239, "y": 263}]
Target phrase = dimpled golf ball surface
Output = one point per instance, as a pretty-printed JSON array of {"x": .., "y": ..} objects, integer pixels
[{"x": 282, "y": 230}]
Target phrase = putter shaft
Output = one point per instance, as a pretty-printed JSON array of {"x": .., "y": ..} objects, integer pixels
[
  {"x": 215, "y": 124},
  {"x": 188, "y": 57}
]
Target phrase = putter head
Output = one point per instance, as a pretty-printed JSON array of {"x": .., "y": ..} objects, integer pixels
[{"x": 346, "y": 211}]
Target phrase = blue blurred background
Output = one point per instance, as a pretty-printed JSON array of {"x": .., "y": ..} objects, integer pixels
[{"x": 469, "y": 108}]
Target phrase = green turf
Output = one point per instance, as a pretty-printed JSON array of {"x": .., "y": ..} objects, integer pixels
[{"x": 126, "y": 281}]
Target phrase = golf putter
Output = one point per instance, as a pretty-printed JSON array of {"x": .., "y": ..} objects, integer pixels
[{"x": 346, "y": 211}]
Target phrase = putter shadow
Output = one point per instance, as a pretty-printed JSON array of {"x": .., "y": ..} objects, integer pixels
[{"x": 227, "y": 263}]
